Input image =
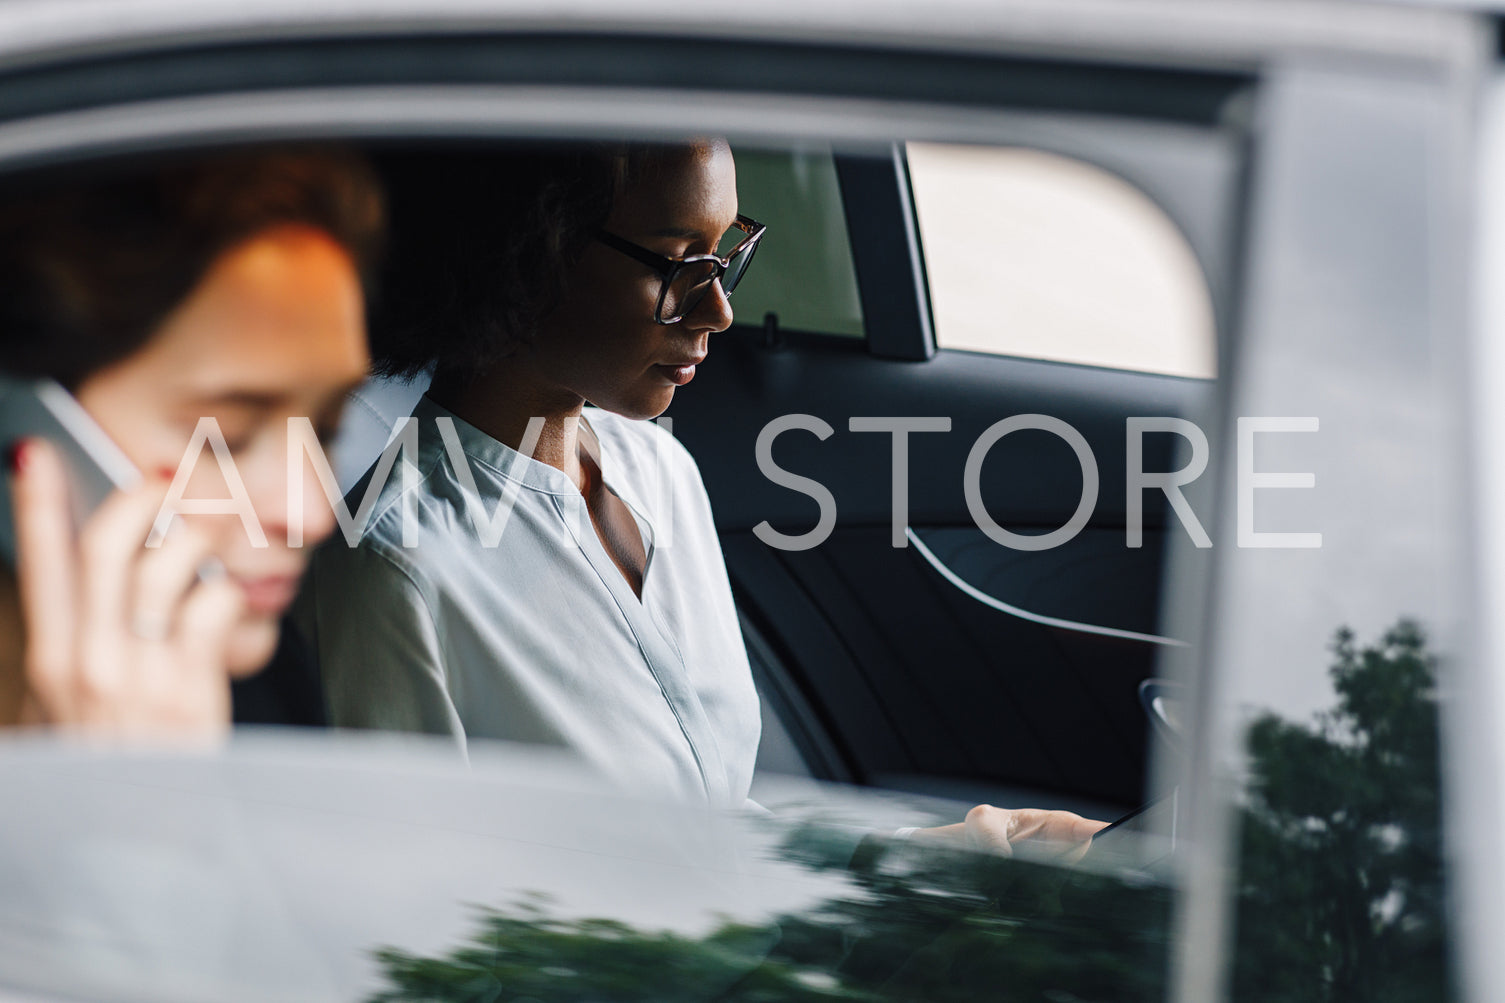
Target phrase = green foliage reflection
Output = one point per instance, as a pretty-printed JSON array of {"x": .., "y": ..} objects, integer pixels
[
  {"x": 1341, "y": 883},
  {"x": 1340, "y": 896},
  {"x": 916, "y": 925}
]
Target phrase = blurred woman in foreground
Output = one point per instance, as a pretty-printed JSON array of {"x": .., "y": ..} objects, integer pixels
[{"x": 227, "y": 288}]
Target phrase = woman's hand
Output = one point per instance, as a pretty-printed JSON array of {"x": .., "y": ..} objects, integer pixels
[
  {"x": 1059, "y": 836},
  {"x": 121, "y": 640}
]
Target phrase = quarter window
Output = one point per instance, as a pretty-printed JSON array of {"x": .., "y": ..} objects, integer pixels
[
  {"x": 1041, "y": 256},
  {"x": 804, "y": 272}
]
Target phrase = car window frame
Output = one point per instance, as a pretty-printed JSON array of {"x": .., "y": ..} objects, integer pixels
[{"x": 36, "y": 135}]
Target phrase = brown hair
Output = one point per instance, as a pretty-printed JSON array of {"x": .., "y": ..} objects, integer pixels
[{"x": 90, "y": 270}]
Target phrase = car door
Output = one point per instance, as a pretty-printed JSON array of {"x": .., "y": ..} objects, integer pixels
[{"x": 884, "y": 668}]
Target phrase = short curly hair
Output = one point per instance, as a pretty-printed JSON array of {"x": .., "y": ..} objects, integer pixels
[
  {"x": 92, "y": 264},
  {"x": 482, "y": 242}
]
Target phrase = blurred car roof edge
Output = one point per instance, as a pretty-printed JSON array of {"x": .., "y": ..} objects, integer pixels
[{"x": 1211, "y": 32}]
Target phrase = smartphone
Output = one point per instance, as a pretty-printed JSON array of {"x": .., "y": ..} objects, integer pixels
[{"x": 95, "y": 465}]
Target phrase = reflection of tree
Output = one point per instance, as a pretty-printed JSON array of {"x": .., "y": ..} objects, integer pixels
[
  {"x": 1340, "y": 896},
  {"x": 526, "y": 955},
  {"x": 961, "y": 927},
  {"x": 925, "y": 926},
  {"x": 1340, "y": 885}
]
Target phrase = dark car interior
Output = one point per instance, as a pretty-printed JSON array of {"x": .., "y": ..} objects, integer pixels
[{"x": 885, "y": 672}]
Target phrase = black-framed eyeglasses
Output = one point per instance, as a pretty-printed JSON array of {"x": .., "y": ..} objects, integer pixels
[{"x": 688, "y": 279}]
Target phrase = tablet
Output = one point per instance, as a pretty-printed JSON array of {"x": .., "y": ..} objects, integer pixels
[{"x": 1143, "y": 837}]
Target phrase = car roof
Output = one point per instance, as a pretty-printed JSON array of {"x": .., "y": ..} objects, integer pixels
[{"x": 1212, "y": 32}]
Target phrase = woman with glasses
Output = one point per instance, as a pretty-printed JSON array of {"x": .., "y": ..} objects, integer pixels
[{"x": 549, "y": 571}]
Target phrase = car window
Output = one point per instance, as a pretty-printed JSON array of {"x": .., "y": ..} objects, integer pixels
[
  {"x": 852, "y": 909},
  {"x": 360, "y": 868},
  {"x": 1042, "y": 256},
  {"x": 804, "y": 274}
]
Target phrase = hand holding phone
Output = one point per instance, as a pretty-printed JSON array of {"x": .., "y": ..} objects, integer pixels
[{"x": 120, "y": 640}]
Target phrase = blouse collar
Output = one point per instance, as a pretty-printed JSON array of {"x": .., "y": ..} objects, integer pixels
[{"x": 482, "y": 448}]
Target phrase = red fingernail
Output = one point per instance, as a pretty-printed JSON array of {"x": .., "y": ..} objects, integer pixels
[{"x": 15, "y": 456}]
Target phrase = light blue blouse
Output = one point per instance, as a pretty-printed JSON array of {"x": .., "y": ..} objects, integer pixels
[{"x": 538, "y": 637}]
